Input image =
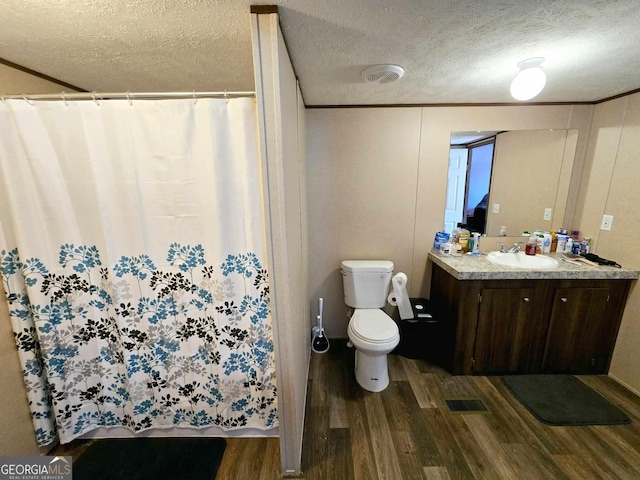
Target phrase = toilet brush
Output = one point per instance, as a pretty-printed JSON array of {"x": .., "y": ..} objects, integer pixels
[{"x": 320, "y": 343}]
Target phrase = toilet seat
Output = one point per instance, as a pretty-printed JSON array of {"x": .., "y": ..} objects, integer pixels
[{"x": 373, "y": 326}]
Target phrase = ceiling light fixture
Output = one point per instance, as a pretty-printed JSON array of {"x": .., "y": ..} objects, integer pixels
[
  {"x": 530, "y": 81},
  {"x": 382, "y": 73}
]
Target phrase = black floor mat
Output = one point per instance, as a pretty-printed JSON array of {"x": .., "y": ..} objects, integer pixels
[
  {"x": 563, "y": 400},
  {"x": 150, "y": 459}
]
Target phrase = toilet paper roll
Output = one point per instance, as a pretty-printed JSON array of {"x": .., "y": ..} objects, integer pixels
[
  {"x": 399, "y": 282},
  {"x": 400, "y": 278},
  {"x": 392, "y": 299}
]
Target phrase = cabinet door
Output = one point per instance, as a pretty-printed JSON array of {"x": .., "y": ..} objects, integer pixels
[
  {"x": 505, "y": 332},
  {"x": 579, "y": 334}
]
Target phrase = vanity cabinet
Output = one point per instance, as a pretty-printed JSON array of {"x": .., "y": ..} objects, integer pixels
[
  {"x": 582, "y": 329},
  {"x": 530, "y": 325},
  {"x": 504, "y": 330}
]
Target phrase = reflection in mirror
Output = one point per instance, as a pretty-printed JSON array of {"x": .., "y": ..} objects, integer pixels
[{"x": 517, "y": 179}]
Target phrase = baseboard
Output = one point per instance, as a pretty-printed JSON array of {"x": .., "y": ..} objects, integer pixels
[{"x": 628, "y": 387}]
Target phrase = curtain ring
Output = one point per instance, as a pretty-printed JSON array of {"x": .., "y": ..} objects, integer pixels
[
  {"x": 24, "y": 97},
  {"x": 129, "y": 98},
  {"x": 64, "y": 99},
  {"x": 93, "y": 95},
  {"x": 226, "y": 97},
  {"x": 195, "y": 99}
]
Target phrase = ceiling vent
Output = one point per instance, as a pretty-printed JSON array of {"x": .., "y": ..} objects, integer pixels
[{"x": 382, "y": 73}]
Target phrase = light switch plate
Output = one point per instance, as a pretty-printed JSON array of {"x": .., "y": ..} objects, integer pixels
[
  {"x": 607, "y": 221},
  {"x": 496, "y": 208},
  {"x": 547, "y": 213}
]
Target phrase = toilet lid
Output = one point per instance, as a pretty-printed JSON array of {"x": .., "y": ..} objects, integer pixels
[{"x": 373, "y": 325}]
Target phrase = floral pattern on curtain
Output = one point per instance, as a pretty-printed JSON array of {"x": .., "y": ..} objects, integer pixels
[{"x": 142, "y": 340}]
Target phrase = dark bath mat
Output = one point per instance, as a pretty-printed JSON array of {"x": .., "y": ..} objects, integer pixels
[
  {"x": 563, "y": 400},
  {"x": 150, "y": 459}
]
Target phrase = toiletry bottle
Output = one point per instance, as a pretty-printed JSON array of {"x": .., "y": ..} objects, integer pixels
[
  {"x": 530, "y": 247},
  {"x": 503, "y": 231},
  {"x": 463, "y": 239},
  {"x": 562, "y": 242},
  {"x": 547, "y": 243},
  {"x": 476, "y": 243},
  {"x": 540, "y": 244},
  {"x": 455, "y": 234},
  {"x": 575, "y": 248},
  {"x": 568, "y": 247},
  {"x": 554, "y": 241}
]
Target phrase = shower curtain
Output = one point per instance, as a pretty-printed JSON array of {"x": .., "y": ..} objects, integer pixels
[{"x": 132, "y": 245}]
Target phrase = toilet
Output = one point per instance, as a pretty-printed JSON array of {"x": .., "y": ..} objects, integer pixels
[{"x": 371, "y": 331}]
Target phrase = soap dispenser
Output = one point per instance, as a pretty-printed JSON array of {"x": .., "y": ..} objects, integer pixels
[{"x": 530, "y": 247}]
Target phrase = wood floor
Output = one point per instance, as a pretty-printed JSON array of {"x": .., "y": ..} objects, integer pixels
[{"x": 407, "y": 433}]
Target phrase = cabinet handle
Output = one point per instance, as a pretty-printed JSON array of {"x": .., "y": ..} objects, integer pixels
[
  {"x": 526, "y": 299},
  {"x": 564, "y": 299}
]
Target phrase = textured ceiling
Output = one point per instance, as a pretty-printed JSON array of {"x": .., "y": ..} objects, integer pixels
[{"x": 462, "y": 51}]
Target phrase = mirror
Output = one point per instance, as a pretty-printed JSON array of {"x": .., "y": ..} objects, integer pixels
[{"x": 515, "y": 179}]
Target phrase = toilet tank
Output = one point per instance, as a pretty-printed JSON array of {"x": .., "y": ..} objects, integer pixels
[{"x": 366, "y": 282}]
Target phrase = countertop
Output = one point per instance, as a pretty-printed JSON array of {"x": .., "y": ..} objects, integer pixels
[{"x": 477, "y": 267}]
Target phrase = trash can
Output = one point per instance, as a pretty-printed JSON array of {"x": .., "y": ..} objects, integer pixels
[{"x": 427, "y": 336}]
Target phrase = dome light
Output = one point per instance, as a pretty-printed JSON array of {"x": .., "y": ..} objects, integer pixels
[{"x": 530, "y": 81}]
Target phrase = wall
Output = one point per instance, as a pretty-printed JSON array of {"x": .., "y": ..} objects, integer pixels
[
  {"x": 610, "y": 186},
  {"x": 16, "y": 82},
  {"x": 377, "y": 183},
  {"x": 535, "y": 158},
  {"x": 282, "y": 126},
  {"x": 18, "y": 437}
]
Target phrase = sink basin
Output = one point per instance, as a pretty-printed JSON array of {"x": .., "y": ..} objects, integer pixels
[{"x": 522, "y": 260}]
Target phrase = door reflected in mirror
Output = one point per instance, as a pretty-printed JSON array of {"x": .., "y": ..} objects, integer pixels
[
  {"x": 518, "y": 179},
  {"x": 468, "y": 187}
]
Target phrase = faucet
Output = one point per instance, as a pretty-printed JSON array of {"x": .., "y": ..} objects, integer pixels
[{"x": 515, "y": 248}]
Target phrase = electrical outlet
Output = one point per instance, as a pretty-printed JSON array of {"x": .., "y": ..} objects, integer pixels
[
  {"x": 496, "y": 208},
  {"x": 607, "y": 221},
  {"x": 547, "y": 213}
]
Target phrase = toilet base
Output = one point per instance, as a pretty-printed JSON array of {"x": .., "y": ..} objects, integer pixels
[{"x": 371, "y": 371}]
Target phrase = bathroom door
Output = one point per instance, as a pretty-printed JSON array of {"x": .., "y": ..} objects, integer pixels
[{"x": 455, "y": 188}]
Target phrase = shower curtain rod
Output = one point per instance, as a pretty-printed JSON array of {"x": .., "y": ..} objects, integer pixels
[{"x": 127, "y": 95}]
